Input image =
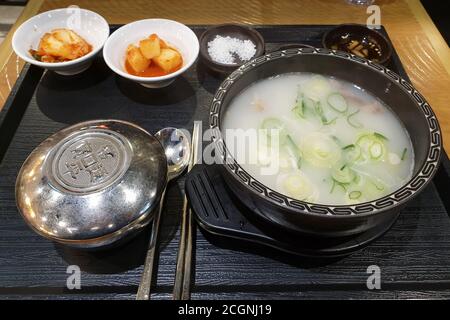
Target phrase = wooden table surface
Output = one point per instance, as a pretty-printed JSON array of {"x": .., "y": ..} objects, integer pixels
[{"x": 422, "y": 49}]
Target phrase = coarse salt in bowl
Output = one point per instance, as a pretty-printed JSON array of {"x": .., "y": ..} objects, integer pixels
[
  {"x": 176, "y": 35},
  {"x": 224, "y": 49}
]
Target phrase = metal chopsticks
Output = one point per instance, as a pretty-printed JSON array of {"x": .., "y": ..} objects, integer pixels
[
  {"x": 147, "y": 275},
  {"x": 182, "y": 284}
]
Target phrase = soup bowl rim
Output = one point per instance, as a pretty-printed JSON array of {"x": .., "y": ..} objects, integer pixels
[{"x": 397, "y": 198}]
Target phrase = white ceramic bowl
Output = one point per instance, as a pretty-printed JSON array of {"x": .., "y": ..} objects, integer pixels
[
  {"x": 88, "y": 24},
  {"x": 174, "y": 33}
]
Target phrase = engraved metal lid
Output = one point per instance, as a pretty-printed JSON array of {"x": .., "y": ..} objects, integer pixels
[{"x": 92, "y": 183}]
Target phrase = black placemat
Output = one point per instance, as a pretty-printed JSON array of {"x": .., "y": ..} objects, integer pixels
[{"x": 413, "y": 256}]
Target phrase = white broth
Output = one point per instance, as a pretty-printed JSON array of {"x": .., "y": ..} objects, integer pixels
[{"x": 330, "y": 141}]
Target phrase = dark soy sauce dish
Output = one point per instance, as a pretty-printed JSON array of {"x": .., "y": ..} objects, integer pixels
[{"x": 360, "y": 41}]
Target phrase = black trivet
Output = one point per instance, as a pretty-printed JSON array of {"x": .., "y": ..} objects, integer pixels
[{"x": 219, "y": 212}]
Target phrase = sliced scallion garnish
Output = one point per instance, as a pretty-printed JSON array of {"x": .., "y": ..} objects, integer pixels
[
  {"x": 343, "y": 174},
  {"x": 351, "y": 121},
  {"x": 326, "y": 122},
  {"x": 319, "y": 111},
  {"x": 355, "y": 195},
  {"x": 380, "y": 136},
  {"x": 352, "y": 152},
  {"x": 339, "y": 184},
  {"x": 337, "y": 140},
  {"x": 299, "y": 108},
  {"x": 337, "y": 102},
  {"x": 403, "y": 157},
  {"x": 376, "y": 150},
  {"x": 294, "y": 151},
  {"x": 377, "y": 186},
  {"x": 275, "y": 125},
  {"x": 349, "y": 146},
  {"x": 372, "y": 146}
]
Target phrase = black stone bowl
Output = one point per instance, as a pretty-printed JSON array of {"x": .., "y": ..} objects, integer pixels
[
  {"x": 238, "y": 31},
  {"x": 325, "y": 220}
]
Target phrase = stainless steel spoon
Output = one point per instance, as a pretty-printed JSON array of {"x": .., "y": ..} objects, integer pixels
[{"x": 178, "y": 152}]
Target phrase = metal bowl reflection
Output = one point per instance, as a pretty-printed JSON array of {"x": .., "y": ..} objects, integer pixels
[{"x": 93, "y": 183}]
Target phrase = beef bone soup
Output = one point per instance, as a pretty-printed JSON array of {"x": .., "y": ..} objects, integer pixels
[{"x": 319, "y": 139}]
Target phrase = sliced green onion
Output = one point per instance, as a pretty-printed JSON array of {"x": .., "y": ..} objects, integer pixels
[
  {"x": 343, "y": 186},
  {"x": 315, "y": 87},
  {"x": 376, "y": 150},
  {"x": 380, "y": 136},
  {"x": 333, "y": 185},
  {"x": 294, "y": 151},
  {"x": 349, "y": 146},
  {"x": 343, "y": 175},
  {"x": 377, "y": 186},
  {"x": 337, "y": 102},
  {"x": 318, "y": 108},
  {"x": 371, "y": 145},
  {"x": 352, "y": 152},
  {"x": 319, "y": 112},
  {"x": 365, "y": 140},
  {"x": 299, "y": 186},
  {"x": 320, "y": 150},
  {"x": 299, "y": 108},
  {"x": 299, "y": 111},
  {"x": 403, "y": 157},
  {"x": 308, "y": 104},
  {"x": 323, "y": 118},
  {"x": 326, "y": 122},
  {"x": 274, "y": 124},
  {"x": 336, "y": 139},
  {"x": 351, "y": 122},
  {"x": 355, "y": 195},
  {"x": 340, "y": 184}
]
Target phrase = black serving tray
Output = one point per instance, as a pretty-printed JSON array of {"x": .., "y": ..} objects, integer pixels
[{"x": 413, "y": 256}]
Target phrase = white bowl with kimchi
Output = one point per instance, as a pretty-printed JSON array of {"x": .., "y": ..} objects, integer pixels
[
  {"x": 132, "y": 46},
  {"x": 62, "y": 40}
]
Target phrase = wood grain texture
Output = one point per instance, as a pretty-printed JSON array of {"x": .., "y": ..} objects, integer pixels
[
  {"x": 328, "y": 295},
  {"x": 414, "y": 256},
  {"x": 10, "y": 64}
]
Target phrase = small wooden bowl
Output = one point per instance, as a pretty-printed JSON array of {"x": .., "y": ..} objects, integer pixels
[{"x": 234, "y": 31}]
